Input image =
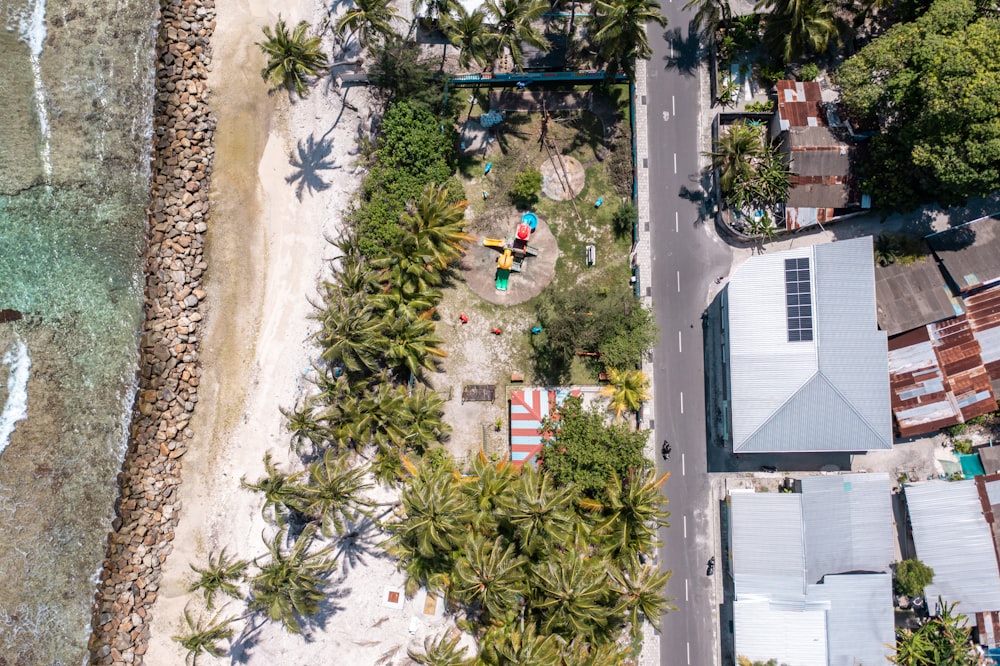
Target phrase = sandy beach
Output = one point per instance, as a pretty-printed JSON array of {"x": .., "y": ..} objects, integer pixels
[{"x": 276, "y": 196}]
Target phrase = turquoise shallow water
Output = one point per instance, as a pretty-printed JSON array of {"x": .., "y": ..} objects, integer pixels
[{"x": 75, "y": 121}]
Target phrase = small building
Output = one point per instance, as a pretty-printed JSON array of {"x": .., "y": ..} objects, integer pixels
[
  {"x": 810, "y": 572},
  {"x": 529, "y": 407},
  {"x": 807, "y": 365},
  {"x": 823, "y": 186},
  {"x": 942, "y": 314},
  {"x": 955, "y": 534}
]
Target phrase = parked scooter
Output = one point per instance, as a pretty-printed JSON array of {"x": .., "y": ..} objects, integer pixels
[
  {"x": 711, "y": 566},
  {"x": 665, "y": 450}
]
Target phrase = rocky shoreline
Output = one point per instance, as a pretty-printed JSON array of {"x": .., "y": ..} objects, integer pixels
[{"x": 146, "y": 511}]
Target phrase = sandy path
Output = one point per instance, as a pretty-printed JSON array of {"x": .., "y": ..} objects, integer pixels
[{"x": 266, "y": 251}]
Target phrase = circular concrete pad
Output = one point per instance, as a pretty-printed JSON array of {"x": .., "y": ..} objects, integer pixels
[
  {"x": 479, "y": 267},
  {"x": 555, "y": 177}
]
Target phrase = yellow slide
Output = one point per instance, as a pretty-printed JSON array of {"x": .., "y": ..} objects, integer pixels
[
  {"x": 506, "y": 260},
  {"x": 493, "y": 242}
]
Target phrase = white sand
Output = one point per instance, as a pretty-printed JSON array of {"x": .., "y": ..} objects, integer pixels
[{"x": 266, "y": 253}]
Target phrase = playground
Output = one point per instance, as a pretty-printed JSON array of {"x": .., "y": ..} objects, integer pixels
[{"x": 581, "y": 147}]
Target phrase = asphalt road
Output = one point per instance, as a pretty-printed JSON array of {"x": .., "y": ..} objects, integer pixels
[{"x": 687, "y": 258}]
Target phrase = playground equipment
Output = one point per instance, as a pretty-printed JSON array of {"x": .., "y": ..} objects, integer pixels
[
  {"x": 514, "y": 249},
  {"x": 495, "y": 242},
  {"x": 530, "y": 219},
  {"x": 506, "y": 260},
  {"x": 504, "y": 264}
]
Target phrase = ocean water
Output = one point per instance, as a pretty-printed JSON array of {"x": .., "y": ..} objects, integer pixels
[{"x": 76, "y": 92}]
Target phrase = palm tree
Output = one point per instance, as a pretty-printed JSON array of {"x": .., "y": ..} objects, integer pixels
[
  {"x": 204, "y": 637},
  {"x": 793, "y": 28},
  {"x": 412, "y": 273},
  {"x": 938, "y": 641},
  {"x": 432, "y": 528},
  {"x": 348, "y": 333},
  {"x": 378, "y": 417},
  {"x": 307, "y": 431},
  {"x": 422, "y": 419},
  {"x": 539, "y": 512},
  {"x": 332, "y": 494},
  {"x": 583, "y": 653},
  {"x": 370, "y": 20},
  {"x": 640, "y": 588},
  {"x": 618, "y": 28},
  {"x": 490, "y": 575},
  {"x": 437, "y": 10},
  {"x": 711, "y": 15},
  {"x": 487, "y": 488},
  {"x": 221, "y": 575},
  {"x": 627, "y": 389},
  {"x": 886, "y": 250},
  {"x": 434, "y": 227},
  {"x": 292, "y": 58},
  {"x": 281, "y": 491},
  {"x": 571, "y": 596},
  {"x": 408, "y": 342},
  {"x": 734, "y": 155},
  {"x": 632, "y": 514},
  {"x": 442, "y": 651},
  {"x": 290, "y": 586},
  {"x": 512, "y": 21},
  {"x": 508, "y": 646},
  {"x": 469, "y": 33}
]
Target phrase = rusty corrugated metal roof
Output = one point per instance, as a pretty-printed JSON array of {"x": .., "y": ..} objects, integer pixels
[
  {"x": 800, "y": 104},
  {"x": 946, "y": 372}
]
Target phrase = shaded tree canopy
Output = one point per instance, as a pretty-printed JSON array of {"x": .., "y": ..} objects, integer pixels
[
  {"x": 586, "y": 450},
  {"x": 932, "y": 88}
]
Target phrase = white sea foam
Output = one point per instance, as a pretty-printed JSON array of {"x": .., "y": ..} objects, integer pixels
[
  {"x": 16, "y": 407},
  {"x": 31, "y": 30}
]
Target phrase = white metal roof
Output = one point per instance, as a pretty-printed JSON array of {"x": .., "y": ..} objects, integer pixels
[
  {"x": 860, "y": 624},
  {"x": 794, "y": 634},
  {"x": 847, "y": 521},
  {"x": 767, "y": 545},
  {"x": 952, "y": 538},
  {"x": 827, "y": 394}
]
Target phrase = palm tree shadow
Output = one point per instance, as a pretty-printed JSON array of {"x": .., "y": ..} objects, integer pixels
[
  {"x": 361, "y": 540},
  {"x": 327, "y": 609},
  {"x": 241, "y": 649},
  {"x": 686, "y": 52},
  {"x": 311, "y": 158},
  {"x": 699, "y": 195}
]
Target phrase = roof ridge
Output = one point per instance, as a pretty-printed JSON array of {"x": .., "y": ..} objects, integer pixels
[
  {"x": 780, "y": 407},
  {"x": 850, "y": 404}
]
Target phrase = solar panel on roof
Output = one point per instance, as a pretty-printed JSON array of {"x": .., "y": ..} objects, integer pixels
[{"x": 798, "y": 300}]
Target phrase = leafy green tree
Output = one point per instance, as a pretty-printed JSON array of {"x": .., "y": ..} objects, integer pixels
[
  {"x": 526, "y": 188},
  {"x": 513, "y": 25},
  {"x": 793, "y": 28},
  {"x": 624, "y": 219},
  {"x": 640, "y": 589},
  {"x": 292, "y": 57},
  {"x": 932, "y": 87},
  {"x": 468, "y": 32},
  {"x": 944, "y": 640},
  {"x": 911, "y": 577},
  {"x": 436, "y": 10},
  {"x": 441, "y": 651},
  {"x": 203, "y": 637},
  {"x": 370, "y": 20},
  {"x": 627, "y": 390},
  {"x": 399, "y": 71},
  {"x": 221, "y": 575},
  {"x": 618, "y": 29},
  {"x": 290, "y": 585},
  {"x": 332, "y": 493},
  {"x": 584, "y": 450}
]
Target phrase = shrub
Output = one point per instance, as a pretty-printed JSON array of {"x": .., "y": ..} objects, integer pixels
[
  {"x": 527, "y": 185},
  {"x": 911, "y": 577},
  {"x": 771, "y": 75},
  {"x": 760, "y": 107},
  {"x": 624, "y": 219},
  {"x": 963, "y": 446},
  {"x": 809, "y": 72},
  {"x": 956, "y": 430}
]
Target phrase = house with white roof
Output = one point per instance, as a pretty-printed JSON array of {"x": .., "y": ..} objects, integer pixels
[
  {"x": 811, "y": 572},
  {"x": 807, "y": 366}
]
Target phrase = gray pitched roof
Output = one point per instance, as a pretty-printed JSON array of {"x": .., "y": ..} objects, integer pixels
[
  {"x": 969, "y": 252},
  {"x": 827, "y": 394},
  {"x": 952, "y": 538}
]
